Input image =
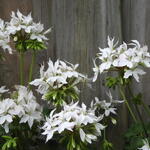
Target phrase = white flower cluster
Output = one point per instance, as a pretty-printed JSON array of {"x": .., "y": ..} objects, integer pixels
[
  {"x": 106, "y": 107},
  {"x": 23, "y": 24},
  {"x": 121, "y": 57},
  {"x": 23, "y": 106},
  {"x": 20, "y": 22},
  {"x": 146, "y": 145},
  {"x": 4, "y": 37},
  {"x": 57, "y": 75},
  {"x": 73, "y": 118}
]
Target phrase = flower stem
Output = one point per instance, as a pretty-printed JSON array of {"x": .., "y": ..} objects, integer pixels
[
  {"x": 21, "y": 56},
  {"x": 127, "y": 104},
  {"x": 139, "y": 114},
  {"x": 32, "y": 65},
  {"x": 142, "y": 122},
  {"x": 104, "y": 134},
  {"x": 146, "y": 108}
]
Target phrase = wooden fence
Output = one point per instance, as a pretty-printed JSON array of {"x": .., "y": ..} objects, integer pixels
[{"x": 79, "y": 28}]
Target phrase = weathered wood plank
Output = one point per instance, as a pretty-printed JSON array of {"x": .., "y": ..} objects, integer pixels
[
  {"x": 79, "y": 28},
  {"x": 9, "y": 75},
  {"x": 136, "y": 25}
]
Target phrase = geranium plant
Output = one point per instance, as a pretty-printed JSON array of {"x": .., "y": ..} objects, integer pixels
[
  {"x": 121, "y": 58},
  {"x": 69, "y": 121},
  {"x": 77, "y": 126},
  {"x": 20, "y": 114},
  {"x": 128, "y": 60},
  {"x": 22, "y": 34},
  {"x": 58, "y": 83}
]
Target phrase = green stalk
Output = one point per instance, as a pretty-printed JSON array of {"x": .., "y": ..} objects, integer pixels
[
  {"x": 104, "y": 134},
  {"x": 139, "y": 114},
  {"x": 146, "y": 108},
  {"x": 104, "y": 131},
  {"x": 127, "y": 104},
  {"x": 142, "y": 122},
  {"x": 32, "y": 65},
  {"x": 122, "y": 90},
  {"x": 21, "y": 59}
]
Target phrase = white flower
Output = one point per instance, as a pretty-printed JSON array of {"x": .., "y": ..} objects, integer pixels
[
  {"x": 4, "y": 37},
  {"x": 42, "y": 85},
  {"x": 146, "y": 145},
  {"x": 87, "y": 137},
  {"x": 65, "y": 126},
  {"x": 135, "y": 73},
  {"x": 23, "y": 107},
  {"x": 82, "y": 135},
  {"x": 90, "y": 137},
  {"x": 112, "y": 100},
  {"x": 29, "y": 110},
  {"x": 73, "y": 118},
  {"x": 31, "y": 114},
  {"x": 107, "y": 107},
  {"x": 37, "y": 32},
  {"x": 96, "y": 71},
  {"x": 57, "y": 75},
  {"x": 23, "y": 25},
  {"x": 99, "y": 127},
  {"x": 20, "y": 22},
  {"x": 7, "y": 105},
  {"x": 3, "y": 89},
  {"x": 121, "y": 57}
]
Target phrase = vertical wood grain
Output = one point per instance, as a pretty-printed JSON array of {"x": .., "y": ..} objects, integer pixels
[
  {"x": 10, "y": 67},
  {"x": 79, "y": 28}
]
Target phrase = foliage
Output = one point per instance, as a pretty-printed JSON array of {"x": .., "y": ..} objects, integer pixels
[
  {"x": 57, "y": 96},
  {"x": 74, "y": 125},
  {"x": 73, "y": 142},
  {"x": 35, "y": 45},
  {"x": 58, "y": 83},
  {"x": 137, "y": 99},
  {"x": 10, "y": 142},
  {"x": 106, "y": 145},
  {"x": 113, "y": 82},
  {"x": 135, "y": 135}
]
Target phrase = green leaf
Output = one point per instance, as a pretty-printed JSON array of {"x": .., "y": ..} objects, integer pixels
[
  {"x": 14, "y": 144},
  {"x": 137, "y": 99},
  {"x": 7, "y": 137},
  {"x": 112, "y": 82},
  {"x": 135, "y": 135},
  {"x": 35, "y": 45},
  {"x": 4, "y": 147},
  {"x": 2, "y": 57},
  {"x": 73, "y": 142},
  {"x": 60, "y": 95},
  {"x": 78, "y": 147},
  {"x": 9, "y": 143},
  {"x": 106, "y": 145}
]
